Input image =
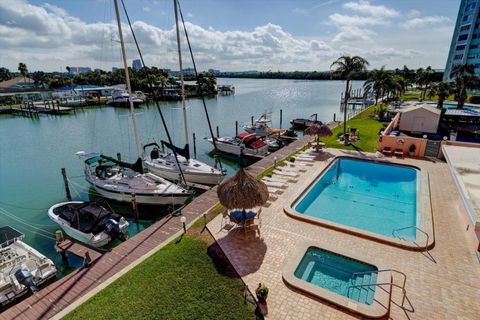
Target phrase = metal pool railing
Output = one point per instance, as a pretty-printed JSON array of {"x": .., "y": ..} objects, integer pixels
[{"x": 394, "y": 231}]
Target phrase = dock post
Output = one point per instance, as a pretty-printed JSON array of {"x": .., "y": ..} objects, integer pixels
[
  {"x": 251, "y": 118},
  {"x": 65, "y": 182},
  {"x": 134, "y": 207},
  {"x": 119, "y": 156},
  {"x": 236, "y": 128},
  {"x": 281, "y": 116},
  {"x": 59, "y": 236},
  {"x": 218, "y": 133},
  {"x": 334, "y": 117},
  {"x": 194, "y": 146}
]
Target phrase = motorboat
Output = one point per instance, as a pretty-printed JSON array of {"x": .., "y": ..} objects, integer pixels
[
  {"x": 246, "y": 143},
  {"x": 22, "y": 268},
  {"x": 165, "y": 165},
  {"x": 261, "y": 126},
  {"x": 89, "y": 222},
  {"x": 118, "y": 180},
  {"x": 302, "y": 123},
  {"x": 121, "y": 99},
  {"x": 140, "y": 95}
]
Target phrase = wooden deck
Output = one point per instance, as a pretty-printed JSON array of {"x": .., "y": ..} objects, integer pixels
[
  {"x": 52, "y": 299},
  {"x": 77, "y": 249}
]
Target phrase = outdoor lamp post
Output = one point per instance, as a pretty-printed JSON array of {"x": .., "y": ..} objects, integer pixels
[{"x": 183, "y": 220}]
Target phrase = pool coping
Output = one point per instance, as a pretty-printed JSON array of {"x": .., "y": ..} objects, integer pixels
[
  {"x": 424, "y": 211},
  {"x": 381, "y": 299}
]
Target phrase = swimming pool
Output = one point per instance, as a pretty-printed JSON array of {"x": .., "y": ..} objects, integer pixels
[
  {"x": 341, "y": 275},
  {"x": 375, "y": 197}
]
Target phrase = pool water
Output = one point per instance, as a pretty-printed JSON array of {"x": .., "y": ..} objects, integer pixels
[
  {"x": 336, "y": 273},
  {"x": 374, "y": 197}
]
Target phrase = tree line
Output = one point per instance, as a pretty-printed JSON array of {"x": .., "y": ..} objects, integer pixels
[{"x": 140, "y": 80}]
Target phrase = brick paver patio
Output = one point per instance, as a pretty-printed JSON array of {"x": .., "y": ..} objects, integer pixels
[{"x": 445, "y": 285}]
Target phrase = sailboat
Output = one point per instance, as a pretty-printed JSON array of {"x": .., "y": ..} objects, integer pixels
[
  {"x": 118, "y": 180},
  {"x": 164, "y": 164}
]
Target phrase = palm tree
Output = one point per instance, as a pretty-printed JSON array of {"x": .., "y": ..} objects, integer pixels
[
  {"x": 465, "y": 79},
  {"x": 345, "y": 68},
  {"x": 423, "y": 78},
  {"x": 22, "y": 68},
  {"x": 442, "y": 90},
  {"x": 382, "y": 82}
]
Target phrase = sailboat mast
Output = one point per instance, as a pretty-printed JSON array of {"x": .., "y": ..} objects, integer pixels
[
  {"x": 182, "y": 84},
  {"x": 127, "y": 78}
]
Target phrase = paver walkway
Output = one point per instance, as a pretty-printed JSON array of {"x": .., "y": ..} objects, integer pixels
[{"x": 445, "y": 287}]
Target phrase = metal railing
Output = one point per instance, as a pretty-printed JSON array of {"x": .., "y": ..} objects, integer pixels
[
  {"x": 402, "y": 287},
  {"x": 394, "y": 231}
]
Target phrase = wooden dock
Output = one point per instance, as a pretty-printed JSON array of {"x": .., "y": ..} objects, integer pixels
[
  {"x": 33, "y": 108},
  {"x": 67, "y": 246},
  {"x": 54, "y": 298}
]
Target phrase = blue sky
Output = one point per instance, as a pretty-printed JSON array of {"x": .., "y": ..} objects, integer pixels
[{"x": 232, "y": 35}]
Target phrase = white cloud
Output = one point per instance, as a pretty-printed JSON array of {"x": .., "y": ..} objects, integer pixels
[
  {"x": 48, "y": 29},
  {"x": 365, "y": 7},
  {"x": 422, "y": 22},
  {"x": 413, "y": 13},
  {"x": 353, "y": 34},
  {"x": 190, "y": 15},
  {"x": 342, "y": 20},
  {"x": 146, "y": 9}
]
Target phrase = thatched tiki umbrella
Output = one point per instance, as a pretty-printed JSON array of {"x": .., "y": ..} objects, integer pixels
[
  {"x": 320, "y": 130},
  {"x": 242, "y": 191}
]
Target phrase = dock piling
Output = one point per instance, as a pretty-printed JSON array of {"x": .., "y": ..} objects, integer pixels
[
  {"x": 251, "y": 118},
  {"x": 281, "y": 116},
  {"x": 218, "y": 133},
  {"x": 65, "y": 183},
  {"x": 134, "y": 207},
  {"x": 119, "y": 156},
  {"x": 334, "y": 117},
  {"x": 236, "y": 128},
  {"x": 194, "y": 146}
]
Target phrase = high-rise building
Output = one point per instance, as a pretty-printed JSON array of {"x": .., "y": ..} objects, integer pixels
[
  {"x": 466, "y": 38},
  {"x": 137, "y": 64}
]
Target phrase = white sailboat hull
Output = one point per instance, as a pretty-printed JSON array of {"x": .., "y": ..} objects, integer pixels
[
  {"x": 174, "y": 175},
  {"x": 153, "y": 199}
]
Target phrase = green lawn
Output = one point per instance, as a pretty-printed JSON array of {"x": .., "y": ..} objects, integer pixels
[
  {"x": 180, "y": 281},
  {"x": 367, "y": 127}
]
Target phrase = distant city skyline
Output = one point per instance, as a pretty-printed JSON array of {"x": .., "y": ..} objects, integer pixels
[{"x": 302, "y": 35}]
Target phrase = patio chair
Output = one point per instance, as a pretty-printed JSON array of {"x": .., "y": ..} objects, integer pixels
[
  {"x": 387, "y": 151},
  {"x": 244, "y": 219},
  {"x": 398, "y": 153}
]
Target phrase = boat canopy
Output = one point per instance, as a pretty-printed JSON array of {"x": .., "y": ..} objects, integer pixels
[
  {"x": 85, "y": 217},
  {"x": 247, "y": 137},
  {"x": 9, "y": 235},
  {"x": 100, "y": 160}
]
